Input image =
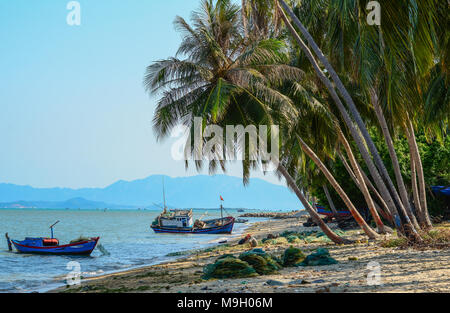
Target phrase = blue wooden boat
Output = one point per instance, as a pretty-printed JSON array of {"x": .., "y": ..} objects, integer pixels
[
  {"x": 324, "y": 211},
  {"x": 215, "y": 226},
  {"x": 51, "y": 246},
  {"x": 182, "y": 222}
]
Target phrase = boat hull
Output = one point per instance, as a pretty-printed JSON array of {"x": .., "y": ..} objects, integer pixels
[
  {"x": 323, "y": 211},
  {"x": 224, "y": 229},
  {"x": 80, "y": 248}
]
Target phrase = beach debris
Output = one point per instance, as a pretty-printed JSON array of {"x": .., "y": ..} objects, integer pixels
[
  {"x": 245, "y": 239},
  {"x": 292, "y": 256},
  {"x": 353, "y": 258},
  {"x": 323, "y": 290},
  {"x": 228, "y": 267},
  {"x": 299, "y": 282},
  {"x": 318, "y": 258},
  {"x": 253, "y": 242},
  {"x": 318, "y": 281},
  {"x": 262, "y": 262},
  {"x": 272, "y": 282}
]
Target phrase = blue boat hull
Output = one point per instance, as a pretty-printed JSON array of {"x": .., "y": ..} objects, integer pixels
[
  {"x": 324, "y": 211},
  {"x": 80, "y": 248},
  {"x": 225, "y": 229}
]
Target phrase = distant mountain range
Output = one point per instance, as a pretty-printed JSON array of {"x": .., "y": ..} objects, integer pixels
[
  {"x": 75, "y": 203},
  {"x": 182, "y": 192}
]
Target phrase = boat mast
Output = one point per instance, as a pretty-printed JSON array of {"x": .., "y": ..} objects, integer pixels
[
  {"x": 164, "y": 194},
  {"x": 221, "y": 207}
]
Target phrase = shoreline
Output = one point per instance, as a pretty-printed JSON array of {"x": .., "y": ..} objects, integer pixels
[
  {"x": 401, "y": 270},
  {"x": 168, "y": 258}
]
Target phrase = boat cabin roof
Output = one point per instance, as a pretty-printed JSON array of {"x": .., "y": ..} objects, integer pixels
[{"x": 177, "y": 213}]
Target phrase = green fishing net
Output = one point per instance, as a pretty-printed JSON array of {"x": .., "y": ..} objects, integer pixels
[
  {"x": 318, "y": 258},
  {"x": 228, "y": 267},
  {"x": 262, "y": 262},
  {"x": 292, "y": 256}
]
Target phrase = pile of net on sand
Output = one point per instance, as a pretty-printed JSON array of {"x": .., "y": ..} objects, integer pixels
[
  {"x": 292, "y": 256},
  {"x": 318, "y": 258},
  {"x": 228, "y": 266},
  {"x": 262, "y": 262},
  {"x": 249, "y": 264}
]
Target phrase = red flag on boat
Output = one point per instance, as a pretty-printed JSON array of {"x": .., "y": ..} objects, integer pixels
[{"x": 221, "y": 198}]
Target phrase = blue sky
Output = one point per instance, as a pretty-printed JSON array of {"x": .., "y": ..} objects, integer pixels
[{"x": 73, "y": 109}]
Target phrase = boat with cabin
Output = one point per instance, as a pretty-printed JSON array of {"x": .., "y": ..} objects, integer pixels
[{"x": 182, "y": 222}]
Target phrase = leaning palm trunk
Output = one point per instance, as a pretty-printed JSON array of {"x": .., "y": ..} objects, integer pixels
[
  {"x": 417, "y": 171},
  {"x": 415, "y": 190},
  {"x": 244, "y": 17},
  {"x": 358, "y": 218},
  {"x": 394, "y": 158},
  {"x": 330, "y": 201},
  {"x": 360, "y": 178},
  {"x": 353, "y": 110},
  {"x": 355, "y": 134},
  {"x": 314, "y": 215},
  {"x": 385, "y": 213}
]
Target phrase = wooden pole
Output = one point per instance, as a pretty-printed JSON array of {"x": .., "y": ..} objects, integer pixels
[{"x": 9, "y": 242}]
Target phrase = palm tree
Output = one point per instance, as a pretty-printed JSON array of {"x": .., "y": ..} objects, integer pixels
[
  {"x": 422, "y": 52},
  {"x": 225, "y": 79}
]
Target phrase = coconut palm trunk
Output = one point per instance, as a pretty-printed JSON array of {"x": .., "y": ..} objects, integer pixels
[
  {"x": 244, "y": 17},
  {"x": 383, "y": 212},
  {"x": 356, "y": 215},
  {"x": 355, "y": 134},
  {"x": 330, "y": 201},
  {"x": 346, "y": 117},
  {"x": 418, "y": 193},
  {"x": 314, "y": 215},
  {"x": 351, "y": 105},
  {"x": 394, "y": 158},
  {"x": 360, "y": 178}
]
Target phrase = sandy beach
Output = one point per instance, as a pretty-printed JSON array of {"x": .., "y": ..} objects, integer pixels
[{"x": 401, "y": 270}]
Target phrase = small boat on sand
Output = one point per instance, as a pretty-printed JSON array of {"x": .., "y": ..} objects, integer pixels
[
  {"x": 51, "y": 246},
  {"x": 324, "y": 211}
]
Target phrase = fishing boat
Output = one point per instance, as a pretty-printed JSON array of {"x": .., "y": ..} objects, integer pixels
[
  {"x": 324, "y": 211},
  {"x": 51, "y": 246},
  {"x": 182, "y": 222}
]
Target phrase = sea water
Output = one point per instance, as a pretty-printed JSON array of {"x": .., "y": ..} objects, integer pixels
[{"x": 125, "y": 235}]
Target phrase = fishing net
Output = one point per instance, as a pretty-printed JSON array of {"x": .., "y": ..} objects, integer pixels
[
  {"x": 228, "y": 267},
  {"x": 262, "y": 262},
  {"x": 292, "y": 256},
  {"x": 80, "y": 239},
  {"x": 277, "y": 241},
  {"x": 293, "y": 239},
  {"x": 319, "y": 258}
]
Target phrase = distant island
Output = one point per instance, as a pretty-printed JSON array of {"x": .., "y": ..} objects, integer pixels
[{"x": 184, "y": 192}]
